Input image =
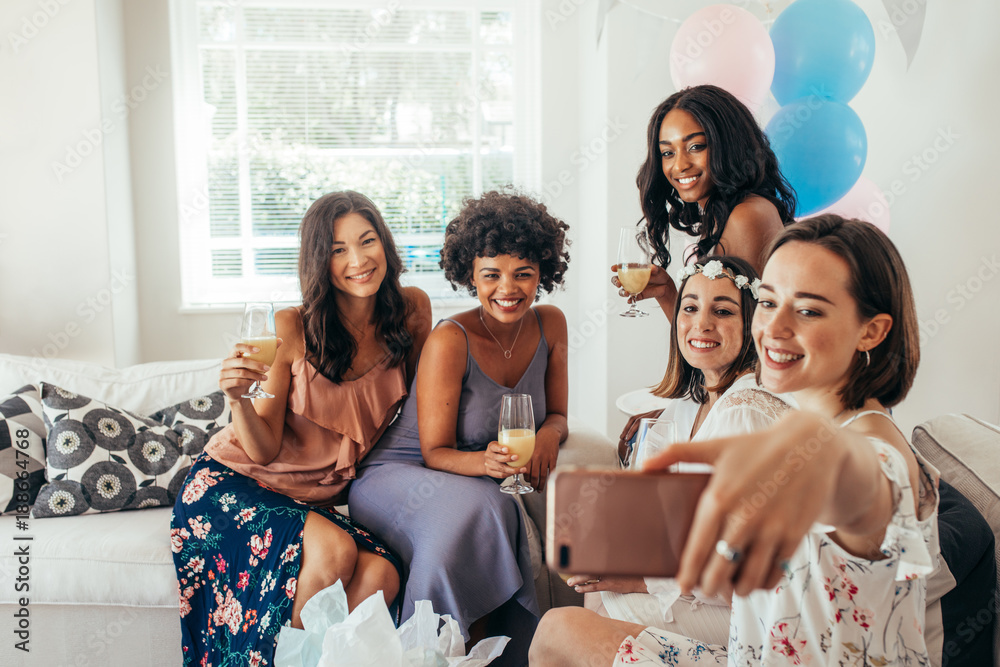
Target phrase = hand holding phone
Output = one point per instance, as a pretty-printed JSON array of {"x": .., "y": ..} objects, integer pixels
[{"x": 609, "y": 522}]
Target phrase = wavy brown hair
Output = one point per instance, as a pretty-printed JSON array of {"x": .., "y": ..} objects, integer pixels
[
  {"x": 505, "y": 223},
  {"x": 682, "y": 380},
  {"x": 878, "y": 283},
  {"x": 330, "y": 347},
  {"x": 740, "y": 161}
]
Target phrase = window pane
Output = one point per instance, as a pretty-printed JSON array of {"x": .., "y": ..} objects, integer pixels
[
  {"x": 337, "y": 100},
  {"x": 227, "y": 264},
  {"x": 356, "y": 29},
  {"x": 276, "y": 262},
  {"x": 219, "y": 85},
  {"x": 414, "y": 107},
  {"x": 496, "y": 28},
  {"x": 216, "y": 23},
  {"x": 497, "y": 110},
  {"x": 223, "y": 196}
]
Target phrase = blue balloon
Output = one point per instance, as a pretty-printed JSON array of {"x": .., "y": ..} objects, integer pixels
[
  {"x": 821, "y": 147},
  {"x": 823, "y": 48}
]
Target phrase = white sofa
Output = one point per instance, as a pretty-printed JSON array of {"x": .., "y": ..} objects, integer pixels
[{"x": 102, "y": 589}]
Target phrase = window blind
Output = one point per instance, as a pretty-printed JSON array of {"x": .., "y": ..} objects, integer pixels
[{"x": 417, "y": 105}]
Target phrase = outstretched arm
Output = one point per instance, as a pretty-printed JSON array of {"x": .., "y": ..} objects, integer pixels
[{"x": 811, "y": 471}]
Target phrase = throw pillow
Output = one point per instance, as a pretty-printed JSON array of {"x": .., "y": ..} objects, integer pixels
[
  {"x": 22, "y": 450},
  {"x": 101, "y": 459}
]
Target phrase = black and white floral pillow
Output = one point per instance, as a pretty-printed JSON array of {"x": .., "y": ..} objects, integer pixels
[
  {"x": 100, "y": 458},
  {"x": 22, "y": 450}
]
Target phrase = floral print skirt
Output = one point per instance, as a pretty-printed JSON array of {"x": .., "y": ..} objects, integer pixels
[
  {"x": 660, "y": 647},
  {"x": 237, "y": 547}
]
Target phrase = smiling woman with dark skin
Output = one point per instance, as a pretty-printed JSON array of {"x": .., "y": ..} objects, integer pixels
[
  {"x": 709, "y": 172},
  {"x": 431, "y": 487}
]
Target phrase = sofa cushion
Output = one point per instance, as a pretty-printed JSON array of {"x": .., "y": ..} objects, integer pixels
[
  {"x": 100, "y": 458},
  {"x": 967, "y": 452},
  {"x": 144, "y": 388},
  {"x": 22, "y": 450},
  {"x": 121, "y": 558}
]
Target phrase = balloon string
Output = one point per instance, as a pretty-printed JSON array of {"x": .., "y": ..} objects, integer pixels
[{"x": 765, "y": 5}]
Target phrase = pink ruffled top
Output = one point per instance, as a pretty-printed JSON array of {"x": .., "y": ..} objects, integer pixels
[{"x": 329, "y": 427}]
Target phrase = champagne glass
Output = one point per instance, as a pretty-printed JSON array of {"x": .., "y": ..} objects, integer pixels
[
  {"x": 652, "y": 438},
  {"x": 633, "y": 267},
  {"x": 517, "y": 434},
  {"x": 258, "y": 331}
]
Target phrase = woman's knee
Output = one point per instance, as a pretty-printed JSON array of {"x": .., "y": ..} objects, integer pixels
[
  {"x": 327, "y": 550},
  {"x": 551, "y": 632},
  {"x": 382, "y": 574}
]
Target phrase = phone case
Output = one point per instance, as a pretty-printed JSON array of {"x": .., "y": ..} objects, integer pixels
[{"x": 606, "y": 522}]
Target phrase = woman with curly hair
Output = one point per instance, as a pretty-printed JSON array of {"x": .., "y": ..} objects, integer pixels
[
  {"x": 710, "y": 173},
  {"x": 254, "y": 530},
  {"x": 429, "y": 489}
]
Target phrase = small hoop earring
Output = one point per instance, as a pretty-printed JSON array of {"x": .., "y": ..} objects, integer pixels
[{"x": 868, "y": 358}]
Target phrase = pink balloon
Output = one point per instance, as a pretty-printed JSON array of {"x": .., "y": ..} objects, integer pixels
[
  {"x": 725, "y": 46},
  {"x": 864, "y": 201}
]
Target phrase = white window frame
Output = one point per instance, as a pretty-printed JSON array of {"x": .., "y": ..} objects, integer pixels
[{"x": 199, "y": 290}]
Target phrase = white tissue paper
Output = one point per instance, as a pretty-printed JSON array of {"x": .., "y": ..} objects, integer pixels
[{"x": 333, "y": 638}]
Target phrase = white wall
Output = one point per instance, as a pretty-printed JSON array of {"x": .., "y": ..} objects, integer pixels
[
  {"x": 62, "y": 242},
  {"x": 944, "y": 223},
  {"x": 67, "y": 280}
]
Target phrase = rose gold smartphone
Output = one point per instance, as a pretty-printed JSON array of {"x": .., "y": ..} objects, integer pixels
[{"x": 623, "y": 522}]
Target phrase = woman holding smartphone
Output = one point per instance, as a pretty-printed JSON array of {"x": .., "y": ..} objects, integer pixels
[
  {"x": 254, "y": 532},
  {"x": 430, "y": 488},
  {"x": 710, "y": 173},
  {"x": 710, "y": 377},
  {"x": 830, "y": 565}
]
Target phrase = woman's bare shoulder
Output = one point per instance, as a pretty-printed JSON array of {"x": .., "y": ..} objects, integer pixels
[{"x": 756, "y": 212}]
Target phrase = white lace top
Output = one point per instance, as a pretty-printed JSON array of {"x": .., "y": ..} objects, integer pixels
[{"x": 744, "y": 408}]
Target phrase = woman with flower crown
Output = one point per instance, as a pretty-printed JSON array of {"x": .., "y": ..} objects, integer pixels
[
  {"x": 709, "y": 172},
  {"x": 823, "y": 527},
  {"x": 710, "y": 377}
]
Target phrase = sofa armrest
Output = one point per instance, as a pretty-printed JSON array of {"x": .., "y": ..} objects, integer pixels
[
  {"x": 966, "y": 451},
  {"x": 583, "y": 447}
]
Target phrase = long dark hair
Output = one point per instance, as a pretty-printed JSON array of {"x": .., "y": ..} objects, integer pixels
[
  {"x": 740, "y": 161},
  {"x": 682, "y": 380},
  {"x": 878, "y": 284},
  {"x": 330, "y": 347}
]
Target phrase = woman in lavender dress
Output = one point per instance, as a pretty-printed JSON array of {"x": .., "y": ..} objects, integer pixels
[{"x": 430, "y": 487}]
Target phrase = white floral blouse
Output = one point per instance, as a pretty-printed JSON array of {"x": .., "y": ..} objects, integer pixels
[{"x": 830, "y": 608}]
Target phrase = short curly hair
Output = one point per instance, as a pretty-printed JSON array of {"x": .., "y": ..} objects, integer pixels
[{"x": 505, "y": 223}]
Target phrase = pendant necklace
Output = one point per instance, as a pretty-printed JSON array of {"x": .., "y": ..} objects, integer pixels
[{"x": 506, "y": 353}]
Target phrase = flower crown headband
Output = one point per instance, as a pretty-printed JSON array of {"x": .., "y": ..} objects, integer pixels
[{"x": 714, "y": 269}]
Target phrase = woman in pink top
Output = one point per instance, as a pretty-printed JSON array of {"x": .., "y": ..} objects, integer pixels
[{"x": 254, "y": 531}]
